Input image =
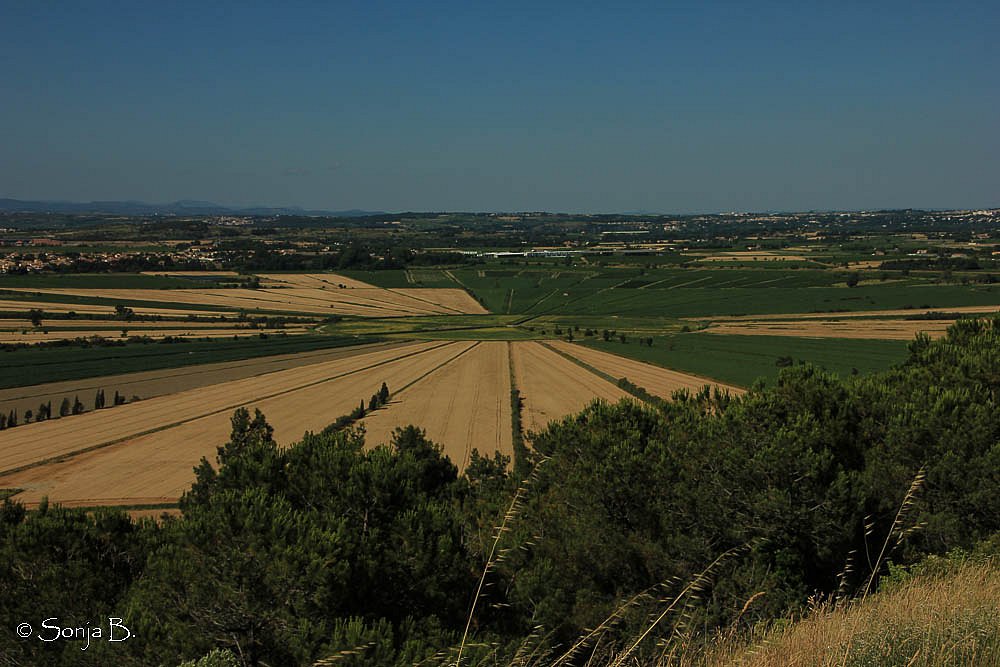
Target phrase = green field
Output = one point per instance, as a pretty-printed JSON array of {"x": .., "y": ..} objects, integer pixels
[
  {"x": 742, "y": 359},
  {"x": 37, "y": 365}
]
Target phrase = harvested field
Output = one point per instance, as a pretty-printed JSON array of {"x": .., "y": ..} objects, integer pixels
[
  {"x": 149, "y": 384},
  {"x": 907, "y": 312},
  {"x": 373, "y": 302},
  {"x": 30, "y": 443},
  {"x": 157, "y": 467},
  {"x": 656, "y": 380},
  {"x": 750, "y": 256},
  {"x": 462, "y": 405},
  {"x": 315, "y": 280},
  {"x": 553, "y": 387},
  {"x": 456, "y": 300},
  {"x": 871, "y": 329}
]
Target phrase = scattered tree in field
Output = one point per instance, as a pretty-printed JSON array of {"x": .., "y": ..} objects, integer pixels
[
  {"x": 383, "y": 394},
  {"x": 119, "y": 399},
  {"x": 373, "y": 402},
  {"x": 12, "y": 419},
  {"x": 77, "y": 405},
  {"x": 99, "y": 399},
  {"x": 622, "y": 338},
  {"x": 35, "y": 315},
  {"x": 28, "y": 414},
  {"x": 124, "y": 313},
  {"x": 3, "y": 422},
  {"x": 64, "y": 407},
  {"x": 606, "y": 335},
  {"x": 853, "y": 279}
]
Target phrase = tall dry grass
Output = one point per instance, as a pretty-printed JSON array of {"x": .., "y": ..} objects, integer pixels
[{"x": 928, "y": 620}]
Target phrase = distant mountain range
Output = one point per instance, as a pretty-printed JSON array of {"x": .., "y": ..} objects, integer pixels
[{"x": 184, "y": 207}]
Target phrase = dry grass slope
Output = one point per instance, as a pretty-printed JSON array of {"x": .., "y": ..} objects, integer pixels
[{"x": 931, "y": 620}]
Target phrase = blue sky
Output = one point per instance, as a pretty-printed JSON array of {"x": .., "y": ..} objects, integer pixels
[{"x": 575, "y": 106}]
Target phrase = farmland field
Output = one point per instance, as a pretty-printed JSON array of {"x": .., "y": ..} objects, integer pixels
[
  {"x": 740, "y": 360},
  {"x": 463, "y": 405},
  {"x": 150, "y": 383},
  {"x": 655, "y": 379},
  {"x": 36, "y": 365},
  {"x": 852, "y": 328},
  {"x": 460, "y": 338},
  {"x": 152, "y": 446},
  {"x": 552, "y": 387}
]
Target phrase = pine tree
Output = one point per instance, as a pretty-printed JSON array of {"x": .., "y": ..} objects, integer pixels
[
  {"x": 373, "y": 402},
  {"x": 119, "y": 399},
  {"x": 77, "y": 405},
  {"x": 383, "y": 394},
  {"x": 12, "y": 419},
  {"x": 64, "y": 407}
]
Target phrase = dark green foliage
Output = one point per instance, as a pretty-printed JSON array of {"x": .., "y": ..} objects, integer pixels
[
  {"x": 62, "y": 563},
  {"x": 291, "y": 555}
]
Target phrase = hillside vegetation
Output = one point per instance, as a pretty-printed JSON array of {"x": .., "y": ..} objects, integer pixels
[{"x": 628, "y": 534}]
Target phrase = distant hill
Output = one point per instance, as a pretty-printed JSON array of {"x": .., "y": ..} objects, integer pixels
[{"x": 183, "y": 207}]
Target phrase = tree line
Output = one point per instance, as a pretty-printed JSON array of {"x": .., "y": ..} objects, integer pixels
[{"x": 65, "y": 409}]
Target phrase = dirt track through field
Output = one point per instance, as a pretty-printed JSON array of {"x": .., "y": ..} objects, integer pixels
[
  {"x": 656, "y": 380},
  {"x": 552, "y": 387},
  {"x": 157, "y": 467},
  {"x": 465, "y": 404},
  {"x": 149, "y": 384}
]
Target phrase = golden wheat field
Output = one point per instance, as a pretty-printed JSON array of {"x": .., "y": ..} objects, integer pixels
[
  {"x": 654, "y": 379},
  {"x": 152, "y": 446},
  {"x": 868, "y": 329},
  {"x": 458, "y": 391},
  {"x": 552, "y": 387},
  {"x": 149, "y": 384},
  {"x": 313, "y": 294},
  {"x": 463, "y": 405}
]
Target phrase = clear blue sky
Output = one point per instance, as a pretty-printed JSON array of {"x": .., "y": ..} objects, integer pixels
[{"x": 575, "y": 106}]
